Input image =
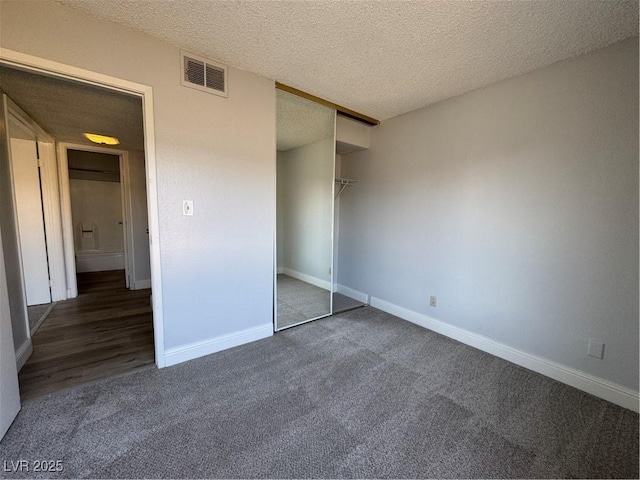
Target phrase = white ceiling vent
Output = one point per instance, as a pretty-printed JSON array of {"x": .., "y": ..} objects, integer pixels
[{"x": 203, "y": 74}]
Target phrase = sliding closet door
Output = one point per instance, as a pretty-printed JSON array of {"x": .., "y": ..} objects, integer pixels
[{"x": 305, "y": 209}]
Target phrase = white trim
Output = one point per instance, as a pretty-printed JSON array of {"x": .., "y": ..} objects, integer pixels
[
  {"x": 333, "y": 278},
  {"x": 142, "y": 284},
  {"x": 42, "y": 65},
  {"x": 307, "y": 278},
  {"x": 127, "y": 215},
  {"x": 354, "y": 294},
  {"x": 190, "y": 351},
  {"x": 276, "y": 270},
  {"x": 599, "y": 387},
  {"x": 67, "y": 222},
  {"x": 153, "y": 214},
  {"x": 23, "y": 353},
  {"x": 24, "y": 61},
  {"x": 22, "y": 117},
  {"x": 53, "y": 220}
]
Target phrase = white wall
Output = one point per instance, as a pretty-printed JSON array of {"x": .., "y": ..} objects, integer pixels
[
  {"x": 351, "y": 135},
  {"x": 305, "y": 186},
  {"x": 517, "y": 206},
  {"x": 218, "y": 152},
  {"x": 96, "y": 206}
]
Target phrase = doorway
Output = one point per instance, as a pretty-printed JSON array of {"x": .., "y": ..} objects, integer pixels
[
  {"x": 104, "y": 204},
  {"x": 109, "y": 328}
]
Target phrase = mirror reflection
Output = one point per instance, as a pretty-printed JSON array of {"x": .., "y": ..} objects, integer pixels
[{"x": 304, "y": 216}]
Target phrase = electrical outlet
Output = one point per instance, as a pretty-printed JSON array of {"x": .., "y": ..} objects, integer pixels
[
  {"x": 433, "y": 301},
  {"x": 595, "y": 348},
  {"x": 187, "y": 207}
]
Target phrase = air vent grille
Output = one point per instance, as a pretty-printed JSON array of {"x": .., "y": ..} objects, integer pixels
[
  {"x": 193, "y": 71},
  {"x": 215, "y": 78},
  {"x": 204, "y": 75}
]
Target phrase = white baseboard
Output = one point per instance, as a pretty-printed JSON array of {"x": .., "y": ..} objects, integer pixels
[
  {"x": 307, "y": 278},
  {"x": 190, "y": 351},
  {"x": 142, "y": 284},
  {"x": 599, "y": 387},
  {"x": 23, "y": 353},
  {"x": 351, "y": 293}
]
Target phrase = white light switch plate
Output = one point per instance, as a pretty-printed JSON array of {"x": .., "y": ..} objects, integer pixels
[{"x": 187, "y": 207}]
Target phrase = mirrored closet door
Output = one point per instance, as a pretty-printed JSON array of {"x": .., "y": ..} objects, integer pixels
[{"x": 304, "y": 210}]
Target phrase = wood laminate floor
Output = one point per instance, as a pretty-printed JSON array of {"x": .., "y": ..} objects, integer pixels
[{"x": 107, "y": 330}]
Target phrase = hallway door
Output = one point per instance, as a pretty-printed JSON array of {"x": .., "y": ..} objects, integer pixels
[{"x": 28, "y": 198}]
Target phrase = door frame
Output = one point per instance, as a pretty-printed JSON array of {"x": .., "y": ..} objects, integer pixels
[
  {"x": 60, "y": 70},
  {"x": 67, "y": 220}
]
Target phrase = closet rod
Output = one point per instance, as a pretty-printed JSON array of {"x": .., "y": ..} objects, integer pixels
[
  {"x": 344, "y": 183},
  {"x": 344, "y": 111}
]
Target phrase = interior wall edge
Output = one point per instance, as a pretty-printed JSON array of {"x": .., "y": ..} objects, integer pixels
[{"x": 607, "y": 390}]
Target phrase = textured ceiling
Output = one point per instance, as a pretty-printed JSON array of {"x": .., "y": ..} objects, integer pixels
[
  {"x": 380, "y": 57},
  {"x": 300, "y": 121},
  {"x": 67, "y": 109}
]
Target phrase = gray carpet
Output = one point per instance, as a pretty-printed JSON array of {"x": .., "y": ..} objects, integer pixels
[
  {"x": 342, "y": 303},
  {"x": 361, "y": 394},
  {"x": 299, "y": 301}
]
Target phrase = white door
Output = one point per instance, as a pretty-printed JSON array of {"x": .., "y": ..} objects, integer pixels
[
  {"x": 9, "y": 389},
  {"x": 26, "y": 178}
]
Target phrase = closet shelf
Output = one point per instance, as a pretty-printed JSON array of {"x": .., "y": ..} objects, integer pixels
[{"x": 344, "y": 183}]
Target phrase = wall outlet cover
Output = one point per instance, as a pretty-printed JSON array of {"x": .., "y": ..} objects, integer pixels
[{"x": 595, "y": 348}]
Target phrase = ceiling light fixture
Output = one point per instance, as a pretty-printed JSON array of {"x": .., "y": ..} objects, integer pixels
[{"x": 102, "y": 139}]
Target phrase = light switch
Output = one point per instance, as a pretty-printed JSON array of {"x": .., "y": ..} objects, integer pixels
[{"x": 187, "y": 207}]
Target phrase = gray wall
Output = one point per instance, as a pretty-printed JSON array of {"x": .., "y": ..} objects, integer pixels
[
  {"x": 218, "y": 152},
  {"x": 305, "y": 202},
  {"x": 517, "y": 205}
]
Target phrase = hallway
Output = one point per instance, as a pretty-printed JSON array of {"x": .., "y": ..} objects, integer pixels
[{"x": 107, "y": 330}]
